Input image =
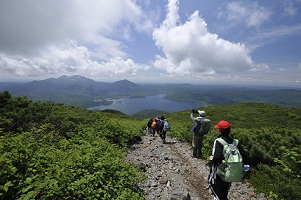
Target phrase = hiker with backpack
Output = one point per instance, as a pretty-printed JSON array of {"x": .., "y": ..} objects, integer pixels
[
  {"x": 201, "y": 128},
  {"x": 154, "y": 127},
  {"x": 158, "y": 126},
  {"x": 228, "y": 160},
  {"x": 149, "y": 124},
  {"x": 164, "y": 127}
]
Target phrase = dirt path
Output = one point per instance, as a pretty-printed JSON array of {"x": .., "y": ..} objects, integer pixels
[{"x": 173, "y": 174}]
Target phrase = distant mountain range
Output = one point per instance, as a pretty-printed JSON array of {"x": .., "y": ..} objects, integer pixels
[
  {"x": 81, "y": 91},
  {"x": 74, "y": 90},
  {"x": 73, "y": 84}
]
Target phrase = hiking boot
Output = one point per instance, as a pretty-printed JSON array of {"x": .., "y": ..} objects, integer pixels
[{"x": 200, "y": 155}]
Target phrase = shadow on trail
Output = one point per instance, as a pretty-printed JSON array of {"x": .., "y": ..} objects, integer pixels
[{"x": 170, "y": 143}]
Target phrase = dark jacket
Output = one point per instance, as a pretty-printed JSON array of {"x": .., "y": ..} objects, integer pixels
[
  {"x": 161, "y": 125},
  {"x": 149, "y": 123}
]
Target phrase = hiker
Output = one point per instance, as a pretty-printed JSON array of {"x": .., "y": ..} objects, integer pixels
[
  {"x": 153, "y": 127},
  {"x": 164, "y": 127},
  {"x": 149, "y": 124},
  {"x": 217, "y": 181},
  {"x": 158, "y": 126},
  {"x": 201, "y": 128}
]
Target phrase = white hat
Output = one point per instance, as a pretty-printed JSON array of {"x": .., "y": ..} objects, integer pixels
[{"x": 202, "y": 113}]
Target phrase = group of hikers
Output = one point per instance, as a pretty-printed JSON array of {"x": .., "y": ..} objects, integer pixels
[
  {"x": 160, "y": 126},
  {"x": 228, "y": 160}
]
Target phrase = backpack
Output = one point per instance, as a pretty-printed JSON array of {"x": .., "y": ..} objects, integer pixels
[
  {"x": 154, "y": 124},
  {"x": 231, "y": 169},
  {"x": 166, "y": 126},
  {"x": 158, "y": 124},
  {"x": 202, "y": 127}
]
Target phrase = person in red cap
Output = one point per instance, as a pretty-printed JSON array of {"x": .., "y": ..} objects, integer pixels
[{"x": 219, "y": 187}]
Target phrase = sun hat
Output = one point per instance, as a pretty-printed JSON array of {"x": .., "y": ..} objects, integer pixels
[
  {"x": 202, "y": 113},
  {"x": 222, "y": 125}
]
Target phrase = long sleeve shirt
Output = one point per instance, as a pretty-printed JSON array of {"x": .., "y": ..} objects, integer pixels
[{"x": 196, "y": 119}]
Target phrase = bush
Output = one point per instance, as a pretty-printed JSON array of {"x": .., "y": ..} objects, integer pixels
[{"x": 51, "y": 151}]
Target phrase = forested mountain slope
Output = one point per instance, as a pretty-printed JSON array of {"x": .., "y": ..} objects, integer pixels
[{"x": 52, "y": 151}]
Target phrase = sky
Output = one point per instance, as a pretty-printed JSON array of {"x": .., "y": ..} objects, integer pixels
[{"x": 168, "y": 41}]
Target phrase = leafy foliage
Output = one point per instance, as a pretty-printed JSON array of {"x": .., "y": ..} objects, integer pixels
[
  {"x": 147, "y": 113},
  {"x": 51, "y": 151}
]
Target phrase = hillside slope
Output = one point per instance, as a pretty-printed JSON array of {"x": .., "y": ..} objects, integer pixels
[
  {"x": 271, "y": 135},
  {"x": 173, "y": 174},
  {"x": 52, "y": 151}
]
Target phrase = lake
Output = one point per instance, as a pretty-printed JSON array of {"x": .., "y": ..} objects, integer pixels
[{"x": 131, "y": 106}]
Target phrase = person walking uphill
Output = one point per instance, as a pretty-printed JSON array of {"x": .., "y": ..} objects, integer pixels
[
  {"x": 201, "y": 128},
  {"x": 227, "y": 160}
]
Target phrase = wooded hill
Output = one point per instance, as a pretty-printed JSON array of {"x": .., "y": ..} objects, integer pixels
[
  {"x": 85, "y": 92},
  {"x": 52, "y": 151}
]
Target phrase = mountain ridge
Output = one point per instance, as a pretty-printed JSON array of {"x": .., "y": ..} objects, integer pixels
[{"x": 85, "y": 92}]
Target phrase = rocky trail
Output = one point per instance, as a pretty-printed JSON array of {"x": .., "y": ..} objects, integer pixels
[{"x": 174, "y": 175}]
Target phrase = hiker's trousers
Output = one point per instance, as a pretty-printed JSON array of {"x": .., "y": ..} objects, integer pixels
[{"x": 220, "y": 188}]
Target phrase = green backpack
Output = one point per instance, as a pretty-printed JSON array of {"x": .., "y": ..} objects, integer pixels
[
  {"x": 231, "y": 169},
  {"x": 202, "y": 128},
  {"x": 206, "y": 124}
]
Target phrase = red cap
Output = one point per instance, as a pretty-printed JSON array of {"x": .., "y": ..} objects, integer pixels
[{"x": 222, "y": 125}]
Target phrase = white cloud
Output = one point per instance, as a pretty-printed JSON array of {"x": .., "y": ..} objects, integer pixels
[
  {"x": 189, "y": 48},
  {"x": 66, "y": 58},
  {"x": 273, "y": 34},
  {"x": 289, "y": 8},
  {"x": 57, "y": 37},
  {"x": 37, "y": 23},
  {"x": 260, "y": 68},
  {"x": 96, "y": 39},
  {"x": 299, "y": 65},
  {"x": 251, "y": 14}
]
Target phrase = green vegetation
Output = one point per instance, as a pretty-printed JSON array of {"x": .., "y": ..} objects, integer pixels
[
  {"x": 147, "y": 113},
  {"x": 271, "y": 135},
  {"x": 52, "y": 151},
  {"x": 228, "y": 96}
]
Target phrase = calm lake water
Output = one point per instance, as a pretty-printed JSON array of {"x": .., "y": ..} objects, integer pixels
[{"x": 133, "y": 105}]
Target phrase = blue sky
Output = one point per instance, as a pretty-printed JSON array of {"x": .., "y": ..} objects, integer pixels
[{"x": 174, "y": 41}]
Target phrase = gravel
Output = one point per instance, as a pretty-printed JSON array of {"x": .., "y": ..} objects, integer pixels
[{"x": 173, "y": 174}]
